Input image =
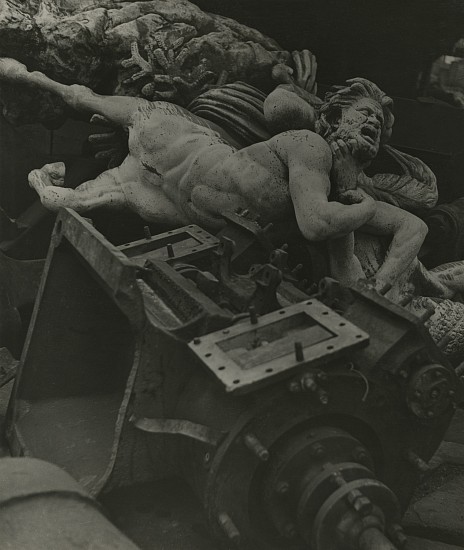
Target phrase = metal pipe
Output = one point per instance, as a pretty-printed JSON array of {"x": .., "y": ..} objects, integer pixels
[{"x": 373, "y": 539}]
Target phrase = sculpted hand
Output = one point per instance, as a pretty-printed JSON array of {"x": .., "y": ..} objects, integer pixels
[
  {"x": 354, "y": 196},
  {"x": 304, "y": 74},
  {"x": 305, "y": 69},
  {"x": 345, "y": 168}
]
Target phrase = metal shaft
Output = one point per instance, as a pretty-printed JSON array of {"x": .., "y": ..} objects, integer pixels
[{"x": 373, "y": 539}]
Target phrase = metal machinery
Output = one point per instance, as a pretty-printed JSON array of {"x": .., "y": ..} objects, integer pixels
[{"x": 301, "y": 421}]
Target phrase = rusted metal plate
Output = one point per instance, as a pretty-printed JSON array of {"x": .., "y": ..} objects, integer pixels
[
  {"x": 176, "y": 245},
  {"x": 249, "y": 354}
]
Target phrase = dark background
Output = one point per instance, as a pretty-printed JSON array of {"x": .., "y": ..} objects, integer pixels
[{"x": 388, "y": 41}]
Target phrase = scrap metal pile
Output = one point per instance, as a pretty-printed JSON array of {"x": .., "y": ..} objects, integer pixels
[{"x": 299, "y": 420}]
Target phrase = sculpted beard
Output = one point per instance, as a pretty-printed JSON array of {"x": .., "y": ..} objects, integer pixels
[{"x": 361, "y": 149}]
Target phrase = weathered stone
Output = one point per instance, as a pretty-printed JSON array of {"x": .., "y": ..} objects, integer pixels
[
  {"x": 455, "y": 433},
  {"x": 439, "y": 514},
  {"x": 177, "y": 51},
  {"x": 448, "y": 453},
  {"x": 422, "y": 544}
]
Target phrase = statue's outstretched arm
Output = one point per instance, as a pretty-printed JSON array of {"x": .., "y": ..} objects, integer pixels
[
  {"x": 117, "y": 109},
  {"x": 415, "y": 189}
]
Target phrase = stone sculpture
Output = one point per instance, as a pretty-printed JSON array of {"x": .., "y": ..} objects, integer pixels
[
  {"x": 182, "y": 167},
  {"x": 156, "y": 49}
]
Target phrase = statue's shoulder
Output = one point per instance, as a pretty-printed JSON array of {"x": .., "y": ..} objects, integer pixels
[{"x": 302, "y": 145}]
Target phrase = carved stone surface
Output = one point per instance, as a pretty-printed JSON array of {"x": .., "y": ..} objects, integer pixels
[{"x": 127, "y": 48}]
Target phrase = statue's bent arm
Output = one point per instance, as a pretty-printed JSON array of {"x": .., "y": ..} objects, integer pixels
[{"x": 318, "y": 218}]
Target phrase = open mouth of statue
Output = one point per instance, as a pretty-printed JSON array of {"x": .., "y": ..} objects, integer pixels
[{"x": 370, "y": 134}]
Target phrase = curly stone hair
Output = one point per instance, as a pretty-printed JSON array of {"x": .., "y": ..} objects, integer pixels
[{"x": 344, "y": 96}]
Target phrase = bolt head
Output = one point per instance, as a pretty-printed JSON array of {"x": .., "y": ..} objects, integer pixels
[
  {"x": 294, "y": 387},
  {"x": 263, "y": 455},
  {"x": 324, "y": 398},
  {"x": 309, "y": 383},
  {"x": 360, "y": 455},
  {"x": 282, "y": 488},
  {"x": 363, "y": 506},
  {"x": 318, "y": 451},
  {"x": 322, "y": 376},
  {"x": 398, "y": 536},
  {"x": 290, "y": 531}
]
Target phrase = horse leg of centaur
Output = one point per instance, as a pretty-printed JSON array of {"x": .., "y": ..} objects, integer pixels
[{"x": 109, "y": 188}]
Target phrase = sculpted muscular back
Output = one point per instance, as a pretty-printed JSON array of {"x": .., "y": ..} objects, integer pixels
[
  {"x": 198, "y": 171},
  {"x": 202, "y": 175}
]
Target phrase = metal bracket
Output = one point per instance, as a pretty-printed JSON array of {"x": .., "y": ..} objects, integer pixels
[
  {"x": 202, "y": 433},
  {"x": 184, "y": 244}
]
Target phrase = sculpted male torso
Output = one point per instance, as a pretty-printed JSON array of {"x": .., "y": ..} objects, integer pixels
[{"x": 201, "y": 174}]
